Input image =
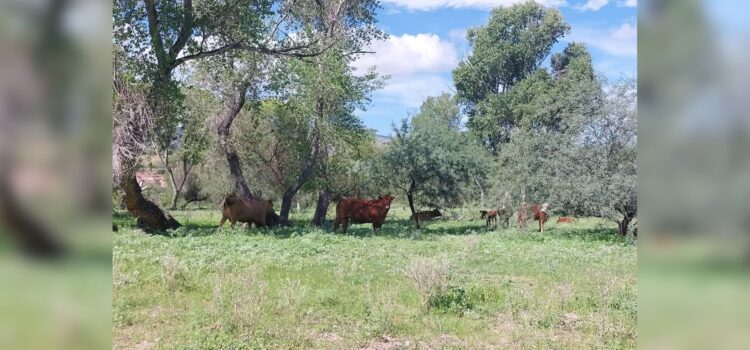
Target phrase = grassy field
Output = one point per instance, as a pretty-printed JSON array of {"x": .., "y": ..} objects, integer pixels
[{"x": 454, "y": 286}]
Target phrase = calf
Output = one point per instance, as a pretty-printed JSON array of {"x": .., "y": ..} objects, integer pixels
[
  {"x": 540, "y": 214},
  {"x": 362, "y": 211},
  {"x": 425, "y": 215},
  {"x": 491, "y": 217},
  {"x": 565, "y": 220},
  {"x": 251, "y": 211}
]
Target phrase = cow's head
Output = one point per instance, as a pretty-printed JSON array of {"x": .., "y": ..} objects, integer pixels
[
  {"x": 545, "y": 207},
  {"x": 386, "y": 200},
  {"x": 436, "y": 213}
]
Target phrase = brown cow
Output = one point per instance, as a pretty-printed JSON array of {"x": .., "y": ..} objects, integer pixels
[
  {"x": 565, "y": 220},
  {"x": 362, "y": 211},
  {"x": 426, "y": 215},
  {"x": 251, "y": 211},
  {"x": 491, "y": 217},
  {"x": 538, "y": 211},
  {"x": 540, "y": 214}
]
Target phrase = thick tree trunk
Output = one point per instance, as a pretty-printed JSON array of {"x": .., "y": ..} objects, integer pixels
[
  {"x": 286, "y": 204},
  {"x": 321, "y": 208},
  {"x": 149, "y": 216},
  {"x": 410, "y": 198},
  {"x": 232, "y": 109}
]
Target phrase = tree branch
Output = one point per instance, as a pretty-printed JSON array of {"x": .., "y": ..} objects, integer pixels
[{"x": 185, "y": 31}]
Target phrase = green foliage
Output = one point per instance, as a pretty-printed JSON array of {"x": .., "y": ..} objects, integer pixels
[
  {"x": 508, "y": 48},
  {"x": 431, "y": 161},
  {"x": 452, "y": 299}
]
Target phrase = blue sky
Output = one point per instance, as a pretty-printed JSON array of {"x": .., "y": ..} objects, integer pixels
[{"x": 427, "y": 40}]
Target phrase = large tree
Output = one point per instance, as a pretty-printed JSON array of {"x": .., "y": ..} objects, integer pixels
[
  {"x": 430, "y": 160},
  {"x": 509, "y": 48},
  {"x": 159, "y": 37}
]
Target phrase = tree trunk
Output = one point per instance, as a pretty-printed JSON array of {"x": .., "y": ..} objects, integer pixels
[
  {"x": 149, "y": 216},
  {"x": 233, "y": 107},
  {"x": 410, "y": 197},
  {"x": 481, "y": 191},
  {"x": 623, "y": 224},
  {"x": 286, "y": 204},
  {"x": 321, "y": 208}
]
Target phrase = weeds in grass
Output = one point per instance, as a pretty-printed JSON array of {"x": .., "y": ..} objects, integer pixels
[
  {"x": 429, "y": 276},
  {"x": 174, "y": 274},
  {"x": 238, "y": 300}
]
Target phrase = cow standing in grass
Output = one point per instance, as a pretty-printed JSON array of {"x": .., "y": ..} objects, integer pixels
[
  {"x": 491, "y": 217},
  {"x": 362, "y": 211},
  {"x": 540, "y": 214},
  {"x": 252, "y": 211}
]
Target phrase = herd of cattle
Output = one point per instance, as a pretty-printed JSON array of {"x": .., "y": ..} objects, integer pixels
[{"x": 360, "y": 211}]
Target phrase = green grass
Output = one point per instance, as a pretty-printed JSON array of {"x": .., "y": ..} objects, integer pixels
[{"x": 456, "y": 285}]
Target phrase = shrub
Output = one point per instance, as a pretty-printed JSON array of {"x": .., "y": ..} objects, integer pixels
[{"x": 451, "y": 299}]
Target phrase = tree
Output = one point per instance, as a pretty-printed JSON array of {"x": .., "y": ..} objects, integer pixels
[
  {"x": 159, "y": 37},
  {"x": 609, "y": 156},
  {"x": 429, "y": 160},
  {"x": 190, "y": 141},
  {"x": 505, "y": 51}
]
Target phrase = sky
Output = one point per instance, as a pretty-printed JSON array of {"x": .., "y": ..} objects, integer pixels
[{"x": 427, "y": 40}]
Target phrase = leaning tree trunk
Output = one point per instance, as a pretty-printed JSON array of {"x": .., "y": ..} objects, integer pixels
[
  {"x": 133, "y": 120},
  {"x": 149, "y": 216},
  {"x": 233, "y": 107},
  {"x": 321, "y": 208}
]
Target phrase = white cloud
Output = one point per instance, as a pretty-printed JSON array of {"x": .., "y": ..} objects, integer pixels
[
  {"x": 629, "y": 3},
  {"x": 427, "y": 5},
  {"x": 411, "y": 91},
  {"x": 593, "y": 5},
  {"x": 409, "y": 54},
  {"x": 620, "y": 41}
]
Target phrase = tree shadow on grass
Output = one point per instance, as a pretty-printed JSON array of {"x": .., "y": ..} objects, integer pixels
[{"x": 393, "y": 228}]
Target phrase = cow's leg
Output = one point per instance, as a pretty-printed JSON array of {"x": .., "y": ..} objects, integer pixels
[
  {"x": 223, "y": 219},
  {"x": 345, "y": 224},
  {"x": 232, "y": 221},
  {"x": 335, "y": 224}
]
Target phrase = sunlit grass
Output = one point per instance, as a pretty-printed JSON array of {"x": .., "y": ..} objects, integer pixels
[{"x": 455, "y": 285}]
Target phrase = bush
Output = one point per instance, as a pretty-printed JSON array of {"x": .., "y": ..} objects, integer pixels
[{"x": 451, "y": 299}]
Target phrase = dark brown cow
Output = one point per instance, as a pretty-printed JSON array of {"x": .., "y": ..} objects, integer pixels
[
  {"x": 565, "y": 220},
  {"x": 426, "y": 215},
  {"x": 362, "y": 211},
  {"x": 484, "y": 214},
  {"x": 251, "y": 211}
]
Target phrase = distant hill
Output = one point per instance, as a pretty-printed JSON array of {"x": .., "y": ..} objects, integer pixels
[{"x": 382, "y": 140}]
